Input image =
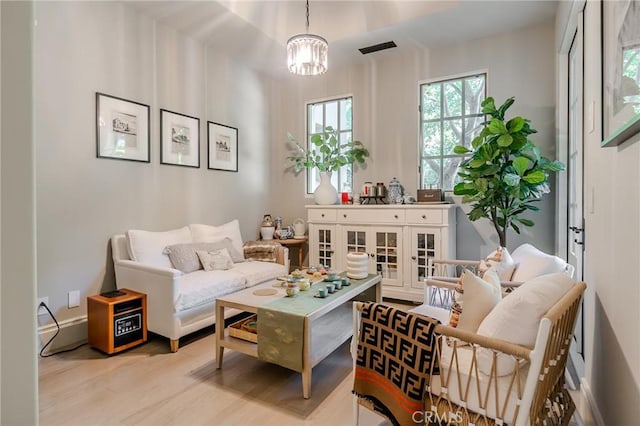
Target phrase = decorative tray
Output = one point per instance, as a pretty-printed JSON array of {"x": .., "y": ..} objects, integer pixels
[{"x": 245, "y": 329}]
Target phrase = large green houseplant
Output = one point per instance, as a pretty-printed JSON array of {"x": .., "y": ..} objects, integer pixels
[
  {"x": 327, "y": 154},
  {"x": 505, "y": 173}
]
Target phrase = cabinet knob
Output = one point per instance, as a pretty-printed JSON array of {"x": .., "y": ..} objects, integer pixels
[
  {"x": 395, "y": 216},
  {"x": 413, "y": 258},
  {"x": 424, "y": 216},
  {"x": 344, "y": 215},
  {"x": 322, "y": 215},
  {"x": 372, "y": 255}
]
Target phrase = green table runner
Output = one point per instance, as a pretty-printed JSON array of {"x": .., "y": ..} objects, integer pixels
[{"x": 281, "y": 324}]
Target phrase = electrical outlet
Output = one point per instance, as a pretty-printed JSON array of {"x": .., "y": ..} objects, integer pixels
[
  {"x": 74, "y": 299},
  {"x": 40, "y": 310}
]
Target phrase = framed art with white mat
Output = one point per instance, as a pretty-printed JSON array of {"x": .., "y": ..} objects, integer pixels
[
  {"x": 179, "y": 139},
  {"x": 222, "y": 148},
  {"x": 122, "y": 129}
]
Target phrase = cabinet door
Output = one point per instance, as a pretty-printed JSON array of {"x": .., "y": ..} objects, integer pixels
[
  {"x": 388, "y": 260},
  {"x": 322, "y": 245},
  {"x": 382, "y": 244},
  {"x": 425, "y": 244}
]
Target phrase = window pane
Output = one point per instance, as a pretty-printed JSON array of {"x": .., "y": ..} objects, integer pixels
[
  {"x": 316, "y": 122},
  {"x": 450, "y": 171},
  {"x": 331, "y": 114},
  {"x": 345, "y": 114},
  {"x": 431, "y": 101},
  {"x": 474, "y": 94},
  {"x": 452, "y": 135},
  {"x": 473, "y": 127},
  {"x": 453, "y": 98},
  {"x": 431, "y": 172},
  {"x": 431, "y": 139}
]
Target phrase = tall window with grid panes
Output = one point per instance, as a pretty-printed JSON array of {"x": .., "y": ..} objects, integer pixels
[
  {"x": 335, "y": 113},
  {"x": 450, "y": 115}
]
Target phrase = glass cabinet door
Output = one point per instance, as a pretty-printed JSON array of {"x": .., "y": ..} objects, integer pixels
[
  {"x": 322, "y": 245},
  {"x": 425, "y": 244},
  {"x": 388, "y": 257}
]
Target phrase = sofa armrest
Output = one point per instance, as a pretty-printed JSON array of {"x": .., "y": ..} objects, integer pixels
[
  {"x": 282, "y": 256},
  {"x": 142, "y": 268}
]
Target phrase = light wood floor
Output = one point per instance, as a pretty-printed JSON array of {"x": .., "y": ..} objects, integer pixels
[{"x": 148, "y": 385}]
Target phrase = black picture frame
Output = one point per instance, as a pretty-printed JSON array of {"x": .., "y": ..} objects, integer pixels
[
  {"x": 222, "y": 147},
  {"x": 179, "y": 139},
  {"x": 123, "y": 129}
]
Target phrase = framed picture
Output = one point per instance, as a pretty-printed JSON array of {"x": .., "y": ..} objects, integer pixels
[
  {"x": 222, "y": 147},
  {"x": 122, "y": 129},
  {"x": 179, "y": 139},
  {"x": 620, "y": 71}
]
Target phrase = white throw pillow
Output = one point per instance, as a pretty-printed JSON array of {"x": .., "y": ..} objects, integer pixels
[
  {"x": 215, "y": 260},
  {"x": 208, "y": 233},
  {"x": 533, "y": 263},
  {"x": 502, "y": 262},
  {"x": 517, "y": 317},
  {"x": 480, "y": 296},
  {"x": 148, "y": 247}
]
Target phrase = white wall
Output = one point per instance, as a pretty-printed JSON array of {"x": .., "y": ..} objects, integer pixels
[
  {"x": 520, "y": 64},
  {"x": 86, "y": 47},
  {"x": 18, "y": 369},
  {"x": 612, "y": 267}
]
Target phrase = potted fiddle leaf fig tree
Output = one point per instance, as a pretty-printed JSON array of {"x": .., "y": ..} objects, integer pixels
[
  {"x": 327, "y": 154},
  {"x": 505, "y": 174}
]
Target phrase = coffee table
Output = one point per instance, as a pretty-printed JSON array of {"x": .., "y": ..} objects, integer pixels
[{"x": 327, "y": 326}]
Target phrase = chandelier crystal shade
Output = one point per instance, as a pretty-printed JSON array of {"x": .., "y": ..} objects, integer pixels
[{"x": 307, "y": 53}]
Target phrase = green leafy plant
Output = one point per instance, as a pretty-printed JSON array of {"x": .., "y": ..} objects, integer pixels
[
  {"x": 327, "y": 154},
  {"x": 505, "y": 174}
]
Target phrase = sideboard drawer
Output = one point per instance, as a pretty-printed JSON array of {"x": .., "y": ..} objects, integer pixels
[
  {"x": 322, "y": 215},
  {"x": 389, "y": 216},
  {"x": 426, "y": 217}
]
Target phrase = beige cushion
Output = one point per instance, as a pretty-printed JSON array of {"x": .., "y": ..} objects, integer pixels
[
  {"x": 517, "y": 317},
  {"x": 185, "y": 258},
  {"x": 148, "y": 247},
  {"x": 208, "y": 233},
  {"x": 533, "y": 263},
  {"x": 480, "y": 296},
  {"x": 215, "y": 260},
  {"x": 502, "y": 262}
]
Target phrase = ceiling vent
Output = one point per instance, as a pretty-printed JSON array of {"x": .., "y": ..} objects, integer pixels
[{"x": 377, "y": 47}]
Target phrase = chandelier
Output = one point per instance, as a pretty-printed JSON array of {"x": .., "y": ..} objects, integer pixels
[{"x": 307, "y": 53}]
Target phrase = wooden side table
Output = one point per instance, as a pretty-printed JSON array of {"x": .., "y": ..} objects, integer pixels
[
  {"x": 117, "y": 320},
  {"x": 297, "y": 243}
]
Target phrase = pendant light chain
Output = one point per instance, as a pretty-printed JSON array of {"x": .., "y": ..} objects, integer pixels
[{"x": 307, "y": 30}]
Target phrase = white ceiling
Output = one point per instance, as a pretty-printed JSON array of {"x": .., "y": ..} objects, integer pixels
[{"x": 256, "y": 31}]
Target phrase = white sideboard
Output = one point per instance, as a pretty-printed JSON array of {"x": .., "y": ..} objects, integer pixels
[{"x": 398, "y": 238}]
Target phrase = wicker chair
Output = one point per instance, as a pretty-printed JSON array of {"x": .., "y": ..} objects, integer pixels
[{"x": 533, "y": 393}]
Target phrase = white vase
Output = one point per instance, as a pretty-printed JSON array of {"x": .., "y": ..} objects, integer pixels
[
  {"x": 325, "y": 193},
  {"x": 266, "y": 232},
  {"x": 357, "y": 265}
]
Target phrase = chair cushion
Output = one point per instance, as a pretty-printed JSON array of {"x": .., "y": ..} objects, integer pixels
[
  {"x": 441, "y": 314},
  {"x": 208, "y": 233},
  {"x": 185, "y": 258},
  {"x": 201, "y": 287},
  {"x": 533, "y": 263},
  {"x": 479, "y": 297},
  {"x": 256, "y": 272},
  {"x": 502, "y": 262},
  {"x": 517, "y": 317},
  {"x": 214, "y": 260},
  {"x": 148, "y": 247}
]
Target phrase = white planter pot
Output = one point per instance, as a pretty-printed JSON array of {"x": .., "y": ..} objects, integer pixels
[
  {"x": 357, "y": 265},
  {"x": 325, "y": 193},
  {"x": 266, "y": 232}
]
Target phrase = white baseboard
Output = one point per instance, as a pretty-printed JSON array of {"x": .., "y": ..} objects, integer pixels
[
  {"x": 586, "y": 391},
  {"x": 73, "y": 331}
]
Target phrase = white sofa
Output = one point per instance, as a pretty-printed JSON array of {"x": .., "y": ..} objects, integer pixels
[{"x": 179, "y": 303}]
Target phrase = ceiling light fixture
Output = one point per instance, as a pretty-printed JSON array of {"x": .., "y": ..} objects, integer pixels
[{"x": 307, "y": 53}]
